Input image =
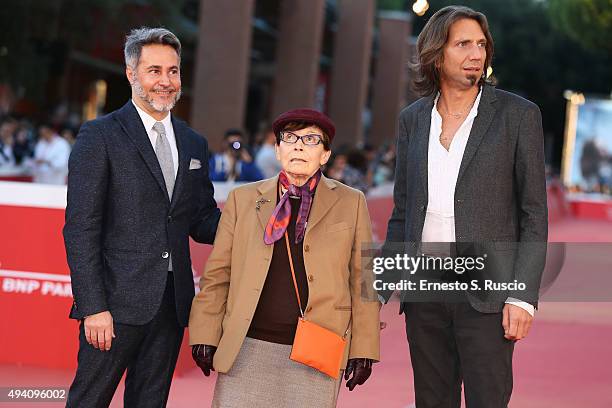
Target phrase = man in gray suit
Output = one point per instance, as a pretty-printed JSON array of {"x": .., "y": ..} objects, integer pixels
[
  {"x": 470, "y": 173},
  {"x": 138, "y": 188}
]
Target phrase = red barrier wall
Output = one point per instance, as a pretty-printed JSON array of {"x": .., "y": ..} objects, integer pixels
[{"x": 35, "y": 294}]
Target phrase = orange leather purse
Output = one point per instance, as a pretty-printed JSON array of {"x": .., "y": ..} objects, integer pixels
[{"x": 313, "y": 345}]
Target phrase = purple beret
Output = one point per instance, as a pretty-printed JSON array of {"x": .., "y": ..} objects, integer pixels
[{"x": 308, "y": 116}]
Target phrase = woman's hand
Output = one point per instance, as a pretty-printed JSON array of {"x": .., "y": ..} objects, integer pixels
[
  {"x": 203, "y": 357},
  {"x": 361, "y": 368}
]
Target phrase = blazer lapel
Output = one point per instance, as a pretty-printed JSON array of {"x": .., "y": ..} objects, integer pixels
[
  {"x": 180, "y": 134},
  {"x": 422, "y": 141},
  {"x": 324, "y": 199},
  {"x": 266, "y": 202},
  {"x": 482, "y": 122},
  {"x": 132, "y": 125}
]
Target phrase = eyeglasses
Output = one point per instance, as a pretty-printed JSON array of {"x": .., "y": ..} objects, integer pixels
[{"x": 290, "y": 137}]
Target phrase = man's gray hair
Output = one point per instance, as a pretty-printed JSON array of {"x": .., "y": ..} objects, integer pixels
[{"x": 139, "y": 37}]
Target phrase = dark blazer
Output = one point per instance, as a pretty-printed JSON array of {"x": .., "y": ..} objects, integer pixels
[
  {"x": 500, "y": 196},
  {"x": 120, "y": 224}
]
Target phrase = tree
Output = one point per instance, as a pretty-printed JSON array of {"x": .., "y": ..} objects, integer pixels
[
  {"x": 588, "y": 22},
  {"x": 38, "y": 36},
  {"x": 397, "y": 5}
]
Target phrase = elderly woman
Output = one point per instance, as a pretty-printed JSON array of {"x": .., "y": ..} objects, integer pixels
[{"x": 287, "y": 248}]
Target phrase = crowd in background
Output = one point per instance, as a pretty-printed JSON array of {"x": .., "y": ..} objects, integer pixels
[
  {"x": 361, "y": 168},
  {"x": 40, "y": 151},
  {"x": 37, "y": 151}
]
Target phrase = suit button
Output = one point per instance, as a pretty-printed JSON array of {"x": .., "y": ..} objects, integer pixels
[
  {"x": 169, "y": 218},
  {"x": 306, "y": 248},
  {"x": 422, "y": 208},
  {"x": 459, "y": 201},
  {"x": 310, "y": 278},
  {"x": 165, "y": 255},
  {"x": 308, "y": 309}
]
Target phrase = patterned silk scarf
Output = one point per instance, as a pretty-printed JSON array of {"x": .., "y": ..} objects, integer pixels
[{"x": 279, "y": 220}]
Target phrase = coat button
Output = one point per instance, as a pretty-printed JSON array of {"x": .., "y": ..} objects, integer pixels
[
  {"x": 169, "y": 218},
  {"x": 310, "y": 278},
  {"x": 306, "y": 248},
  {"x": 165, "y": 255}
]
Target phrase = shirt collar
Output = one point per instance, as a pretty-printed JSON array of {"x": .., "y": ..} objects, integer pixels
[{"x": 148, "y": 121}]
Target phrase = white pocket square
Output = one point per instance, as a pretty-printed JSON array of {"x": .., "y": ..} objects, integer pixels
[{"x": 195, "y": 164}]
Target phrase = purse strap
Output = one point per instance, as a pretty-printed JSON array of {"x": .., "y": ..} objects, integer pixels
[{"x": 297, "y": 292}]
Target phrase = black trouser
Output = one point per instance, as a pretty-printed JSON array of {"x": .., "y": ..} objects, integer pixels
[
  {"x": 148, "y": 352},
  {"x": 451, "y": 343}
]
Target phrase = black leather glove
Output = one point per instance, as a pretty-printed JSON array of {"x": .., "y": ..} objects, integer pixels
[
  {"x": 203, "y": 357},
  {"x": 361, "y": 368}
]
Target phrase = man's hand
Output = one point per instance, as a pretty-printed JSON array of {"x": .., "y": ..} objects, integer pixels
[
  {"x": 516, "y": 322},
  {"x": 203, "y": 357},
  {"x": 99, "y": 330}
]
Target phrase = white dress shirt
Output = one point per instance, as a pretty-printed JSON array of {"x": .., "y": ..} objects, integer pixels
[
  {"x": 148, "y": 121},
  {"x": 442, "y": 172}
]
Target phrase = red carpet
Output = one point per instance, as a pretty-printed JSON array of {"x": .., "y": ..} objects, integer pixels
[{"x": 565, "y": 362}]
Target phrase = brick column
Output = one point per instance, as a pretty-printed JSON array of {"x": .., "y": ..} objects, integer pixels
[
  {"x": 221, "y": 67},
  {"x": 297, "y": 54},
  {"x": 389, "y": 92},
  {"x": 351, "y": 67}
]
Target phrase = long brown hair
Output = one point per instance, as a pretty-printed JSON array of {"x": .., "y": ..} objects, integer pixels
[{"x": 430, "y": 47}]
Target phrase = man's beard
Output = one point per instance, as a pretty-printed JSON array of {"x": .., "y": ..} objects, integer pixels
[
  {"x": 159, "y": 107},
  {"x": 473, "y": 79}
]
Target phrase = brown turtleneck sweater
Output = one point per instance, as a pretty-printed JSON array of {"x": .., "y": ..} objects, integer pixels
[{"x": 277, "y": 312}]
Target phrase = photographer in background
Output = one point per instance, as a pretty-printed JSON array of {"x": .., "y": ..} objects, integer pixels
[{"x": 235, "y": 162}]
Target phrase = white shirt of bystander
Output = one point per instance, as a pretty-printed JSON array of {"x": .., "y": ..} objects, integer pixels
[
  {"x": 51, "y": 158},
  {"x": 266, "y": 161}
]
